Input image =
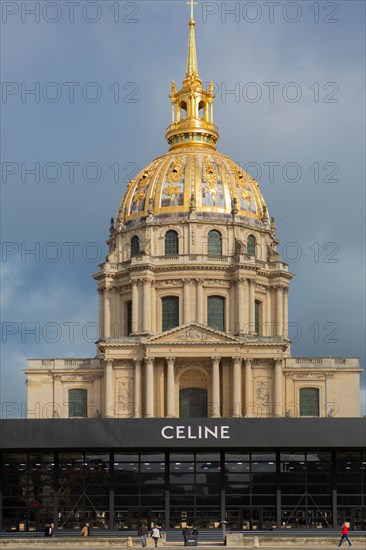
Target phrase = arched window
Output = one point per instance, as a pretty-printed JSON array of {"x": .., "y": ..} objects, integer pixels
[
  {"x": 171, "y": 243},
  {"x": 183, "y": 110},
  {"x": 135, "y": 246},
  {"x": 309, "y": 402},
  {"x": 216, "y": 312},
  {"x": 251, "y": 243},
  {"x": 78, "y": 403},
  {"x": 214, "y": 245},
  {"x": 193, "y": 403},
  {"x": 201, "y": 109},
  {"x": 258, "y": 314},
  {"x": 170, "y": 310}
]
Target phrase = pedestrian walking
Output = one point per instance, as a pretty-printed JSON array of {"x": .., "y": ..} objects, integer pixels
[
  {"x": 48, "y": 532},
  {"x": 155, "y": 534},
  {"x": 142, "y": 533},
  {"x": 185, "y": 533},
  {"x": 344, "y": 535},
  {"x": 85, "y": 532}
]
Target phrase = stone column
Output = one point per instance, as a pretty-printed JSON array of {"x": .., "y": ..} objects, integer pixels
[
  {"x": 135, "y": 307},
  {"x": 241, "y": 306},
  {"x": 186, "y": 304},
  {"x": 199, "y": 301},
  {"x": 137, "y": 389},
  {"x": 121, "y": 314},
  {"x": 246, "y": 306},
  {"x": 279, "y": 312},
  {"x": 97, "y": 397},
  {"x": 149, "y": 387},
  {"x": 248, "y": 387},
  {"x": 237, "y": 402},
  {"x": 331, "y": 408},
  {"x": 277, "y": 408},
  {"x": 170, "y": 387},
  {"x": 216, "y": 387},
  {"x": 108, "y": 386},
  {"x": 285, "y": 313},
  {"x": 101, "y": 314},
  {"x": 252, "y": 306},
  {"x": 153, "y": 308},
  {"x": 107, "y": 313},
  {"x": 146, "y": 325},
  {"x": 269, "y": 330}
]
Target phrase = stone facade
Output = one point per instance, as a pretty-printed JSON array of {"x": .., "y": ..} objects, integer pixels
[{"x": 193, "y": 228}]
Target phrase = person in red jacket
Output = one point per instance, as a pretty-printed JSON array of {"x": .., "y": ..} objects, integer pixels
[{"x": 344, "y": 535}]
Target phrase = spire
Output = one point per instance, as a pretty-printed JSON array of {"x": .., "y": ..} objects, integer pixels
[
  {"x": 192, "y": 65},
  {"x": 192, "y": 114}
]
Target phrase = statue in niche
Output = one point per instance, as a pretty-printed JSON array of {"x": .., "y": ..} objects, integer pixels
[{"x": 240, "y": 247}]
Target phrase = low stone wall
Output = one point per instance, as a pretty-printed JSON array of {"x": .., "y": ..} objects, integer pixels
[
  {"x": 263, "y": 541},
  {"x": 76, "y": 542}
]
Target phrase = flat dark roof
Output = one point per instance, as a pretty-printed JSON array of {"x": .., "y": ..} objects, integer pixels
[{"x": 168, "y": 433}]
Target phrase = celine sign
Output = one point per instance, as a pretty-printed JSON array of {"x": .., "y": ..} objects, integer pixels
[{"x": 195, "y": 432}]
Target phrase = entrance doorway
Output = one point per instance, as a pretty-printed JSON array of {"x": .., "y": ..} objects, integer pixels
[{"x": 193, "y": 403}]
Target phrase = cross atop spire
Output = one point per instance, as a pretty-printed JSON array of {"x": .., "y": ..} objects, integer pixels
[{"x": 191, "y": 3}]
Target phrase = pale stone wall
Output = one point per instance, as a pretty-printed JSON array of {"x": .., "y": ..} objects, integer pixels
[{"x": 244, "y": 373}]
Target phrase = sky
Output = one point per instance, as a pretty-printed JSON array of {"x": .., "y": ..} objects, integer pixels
[{"x": 85, "y": 105}]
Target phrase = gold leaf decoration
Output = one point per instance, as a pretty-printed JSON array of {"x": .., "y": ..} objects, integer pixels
[
  {"x": 144, "y": 179},
  {"x": 210, "y": 175},
  {"x": 172, "y": 190},
  {"x": 175, "y": 171}
]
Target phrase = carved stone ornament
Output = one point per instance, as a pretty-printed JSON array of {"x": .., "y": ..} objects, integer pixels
[
  {"x": 77, "y": 378},
  {"x": 320, "y": 376},
  {"x": 124, "y": 394},
  {"x": 262, "y": 393}
]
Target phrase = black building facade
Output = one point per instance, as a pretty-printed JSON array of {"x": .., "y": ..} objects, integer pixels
[{"x": 253, "y": 473}]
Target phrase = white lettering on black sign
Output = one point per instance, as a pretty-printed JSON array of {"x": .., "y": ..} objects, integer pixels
[{"x": 199, "y": 432}]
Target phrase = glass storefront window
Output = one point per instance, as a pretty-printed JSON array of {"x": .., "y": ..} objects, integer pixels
[{"x": 237, "y": 466}]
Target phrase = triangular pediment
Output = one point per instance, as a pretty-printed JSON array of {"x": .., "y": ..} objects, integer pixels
[{"x": 192, "y": 333}]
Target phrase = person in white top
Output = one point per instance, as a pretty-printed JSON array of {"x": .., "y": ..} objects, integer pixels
[{"x": 155, "y": 534}]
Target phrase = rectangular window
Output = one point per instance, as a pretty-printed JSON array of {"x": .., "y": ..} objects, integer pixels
[
  {"x": 258, "y": 318},
  {"x": 309, "y": 402},
  {"x": 170, "y": 306},
  {"x": 129, "y": 317},
  {"x": 216, "y": 312},
  {"x": 78, "y": 403}
]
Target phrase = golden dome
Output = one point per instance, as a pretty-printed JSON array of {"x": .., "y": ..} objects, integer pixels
[
  {"x": 192, "y": 176},
  {"x": 192, "y": 179}
]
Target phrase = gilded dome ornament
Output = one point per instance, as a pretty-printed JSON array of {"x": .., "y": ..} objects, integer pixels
[
  {"x": 192, "y": 177},
  {"x": 172, "y": 190},
  {"x": 176, "y": 171}
]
